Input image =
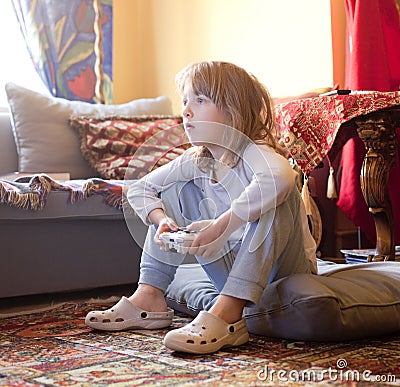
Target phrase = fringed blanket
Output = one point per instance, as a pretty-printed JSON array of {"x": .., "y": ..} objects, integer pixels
[{"x": 31, "y": 193}]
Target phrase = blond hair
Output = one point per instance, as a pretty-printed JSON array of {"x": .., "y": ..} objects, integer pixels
[{"x": 246, "y": 102}]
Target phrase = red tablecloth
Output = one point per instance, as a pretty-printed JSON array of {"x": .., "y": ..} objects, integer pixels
[
  {"x": 309, "y": 126},
  {"x": 309, "y": 129}
]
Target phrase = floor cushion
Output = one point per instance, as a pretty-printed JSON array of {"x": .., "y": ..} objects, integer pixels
[{"x": 342, "y": 302}]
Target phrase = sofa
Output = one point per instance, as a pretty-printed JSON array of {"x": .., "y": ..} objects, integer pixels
[{"x": 64, "y": 246}]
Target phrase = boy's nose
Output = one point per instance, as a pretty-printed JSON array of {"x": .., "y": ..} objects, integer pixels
[{"x": 187, "y": 112}]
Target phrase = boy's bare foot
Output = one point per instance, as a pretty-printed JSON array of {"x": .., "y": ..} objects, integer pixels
[
  {"x": 149, "y": 298},
  {"x": 229, "y": 309}
]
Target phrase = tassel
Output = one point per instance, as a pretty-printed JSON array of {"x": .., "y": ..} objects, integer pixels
[
  {"x": 331, "y": 188},
  {"x": 305, "y": 194}
]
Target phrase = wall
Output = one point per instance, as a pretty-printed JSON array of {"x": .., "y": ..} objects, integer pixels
[{"x": 286, "y": 43}]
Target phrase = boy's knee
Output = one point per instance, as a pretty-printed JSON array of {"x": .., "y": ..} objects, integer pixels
[{"x": 181, "y": 202}]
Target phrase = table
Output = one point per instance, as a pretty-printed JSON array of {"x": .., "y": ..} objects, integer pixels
[{"x": 315, "y": 128}]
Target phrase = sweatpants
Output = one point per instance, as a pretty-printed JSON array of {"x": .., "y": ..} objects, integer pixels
[{"x": 271, "y": 247}]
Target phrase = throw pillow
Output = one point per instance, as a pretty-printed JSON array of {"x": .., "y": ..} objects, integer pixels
[
  {"x": 142, "y": 143},
  {"x": 45, "y": 141}
]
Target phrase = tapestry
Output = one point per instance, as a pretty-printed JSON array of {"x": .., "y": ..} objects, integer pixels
[
  {"x": 60, "y": 37},
  {"x": 55, "y": 348}
]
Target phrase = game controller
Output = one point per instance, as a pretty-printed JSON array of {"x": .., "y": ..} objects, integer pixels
[{"x": 178, "y": 241}]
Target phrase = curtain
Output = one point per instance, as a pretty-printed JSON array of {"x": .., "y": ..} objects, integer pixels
[
  {"x": 61, "y": 37},
  {"x": 372, "y": 63}
]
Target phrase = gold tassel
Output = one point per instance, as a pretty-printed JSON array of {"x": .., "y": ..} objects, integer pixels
[
  {"x": 305, "y": 194},
  {"x": 331, "y": 188}
]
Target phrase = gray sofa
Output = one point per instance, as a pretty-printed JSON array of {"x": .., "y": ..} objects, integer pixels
[{"x": 64, "y": 246}]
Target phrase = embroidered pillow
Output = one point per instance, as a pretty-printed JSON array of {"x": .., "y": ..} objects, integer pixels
[{"x": 142, "y": 143}]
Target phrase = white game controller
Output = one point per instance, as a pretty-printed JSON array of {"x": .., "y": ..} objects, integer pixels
[{"x": 178, "y": 241}]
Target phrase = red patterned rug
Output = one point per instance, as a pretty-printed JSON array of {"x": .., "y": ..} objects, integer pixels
[{"x": 55, "y": 348}]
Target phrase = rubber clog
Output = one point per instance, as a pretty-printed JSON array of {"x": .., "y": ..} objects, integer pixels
[
  {"x": 207, "y": 334},
  {"x": 124, "y": 315}
]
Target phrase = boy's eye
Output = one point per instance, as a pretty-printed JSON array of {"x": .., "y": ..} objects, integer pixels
[{"x": 201, "y": 100}]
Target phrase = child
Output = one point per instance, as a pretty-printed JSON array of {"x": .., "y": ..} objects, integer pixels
[{"x": 234, "y": 188}]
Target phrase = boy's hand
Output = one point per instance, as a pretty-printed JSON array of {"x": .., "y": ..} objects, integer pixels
[
  {"x": 166, "y": 225},
  {"x": 209, "y": 239},
  {"x": 200, "y": 225},
  {"x": 213, "y": 234}
]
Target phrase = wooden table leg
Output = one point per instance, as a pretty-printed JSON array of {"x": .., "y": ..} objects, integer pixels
[{"x": 378, "y": 132}]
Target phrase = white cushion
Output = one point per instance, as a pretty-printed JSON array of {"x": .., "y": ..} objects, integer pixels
[
  {"x": 45, "y": 141},
  {"x": 8, "y": 151}
]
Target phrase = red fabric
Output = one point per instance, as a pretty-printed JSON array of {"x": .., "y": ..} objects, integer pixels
[
  {"x": 373, "y": 63},
  {"x": 310, "y": 127},
  {"x": 373, "y": 44}
]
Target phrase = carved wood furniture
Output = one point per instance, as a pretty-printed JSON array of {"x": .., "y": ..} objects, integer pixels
[
  {"x": 377, "y": 130},
  {"x": 314, "y": 128}
]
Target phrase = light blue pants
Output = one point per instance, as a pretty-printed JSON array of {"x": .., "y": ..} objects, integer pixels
[{"x": 271, "y": 247}]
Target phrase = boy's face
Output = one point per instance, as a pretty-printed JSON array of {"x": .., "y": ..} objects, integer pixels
[{"x": 202, "y": 119}]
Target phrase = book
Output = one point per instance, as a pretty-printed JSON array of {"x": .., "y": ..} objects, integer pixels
[{"x": 361, "y": 255}]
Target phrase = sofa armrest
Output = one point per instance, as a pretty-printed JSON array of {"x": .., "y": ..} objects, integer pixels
[{"x": 8, "y": 149}]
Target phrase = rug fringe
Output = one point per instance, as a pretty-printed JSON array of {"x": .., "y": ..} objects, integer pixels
[
  {"x": 40, "y": 309},
  {"x": 32, "y": 311},
  {"x": 103, "y": 300}
]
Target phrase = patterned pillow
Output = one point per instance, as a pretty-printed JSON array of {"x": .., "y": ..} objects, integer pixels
[{"x": 142, "y": 143}]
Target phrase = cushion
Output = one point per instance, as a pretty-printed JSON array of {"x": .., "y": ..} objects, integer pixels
[
  {"x": 45, "y": 141},
  {"x": 343, "y": 302},
  {"x": 143, "y": 143}
]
